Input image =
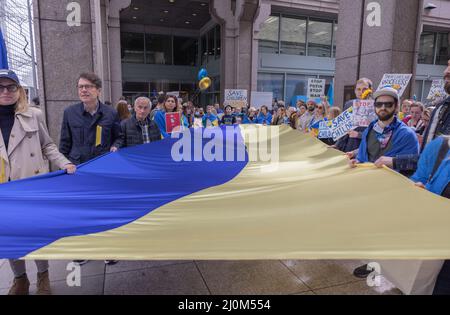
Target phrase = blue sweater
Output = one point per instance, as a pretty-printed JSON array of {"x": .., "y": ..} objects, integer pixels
[
  {"x": 427, "y": 160},
  {"x": 404, "y": 141}
]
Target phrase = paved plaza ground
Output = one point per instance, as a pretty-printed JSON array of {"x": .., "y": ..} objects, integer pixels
[{"x": 207, "y": 277}]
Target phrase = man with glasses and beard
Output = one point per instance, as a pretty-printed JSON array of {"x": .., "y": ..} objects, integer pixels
[
  {"x": 439, "y": 126},
  {"x": 386, "y": 136}
]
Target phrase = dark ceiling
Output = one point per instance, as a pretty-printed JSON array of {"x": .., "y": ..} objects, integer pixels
[{"x": 188, "y": 14}]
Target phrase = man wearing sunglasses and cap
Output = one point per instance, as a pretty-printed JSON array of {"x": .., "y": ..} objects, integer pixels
[{"x": 387, "y": 136}]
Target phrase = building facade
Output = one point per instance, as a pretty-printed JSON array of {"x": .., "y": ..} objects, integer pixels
[
  {"x": 141, "y": 47},
  {"x": 15, "y": 18}
]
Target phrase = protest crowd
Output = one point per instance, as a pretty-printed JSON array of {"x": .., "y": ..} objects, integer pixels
[{"x": 377, "y": 127}]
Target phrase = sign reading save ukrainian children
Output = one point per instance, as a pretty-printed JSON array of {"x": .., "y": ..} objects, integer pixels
[
  {"x": 316, "y": 88},
  {"x": 236, "y": 98},
  {"x": 342, "y": 124},
  {"x": 397, "y": 81}
]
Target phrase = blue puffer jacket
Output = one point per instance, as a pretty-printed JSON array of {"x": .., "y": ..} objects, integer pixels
[{"x": 440, "y": 180}]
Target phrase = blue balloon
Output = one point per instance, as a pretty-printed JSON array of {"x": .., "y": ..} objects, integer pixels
[{"x": 203, "y": 73}]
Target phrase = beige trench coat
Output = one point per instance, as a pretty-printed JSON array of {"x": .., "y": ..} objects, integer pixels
[{"x": 29, "y": 143}]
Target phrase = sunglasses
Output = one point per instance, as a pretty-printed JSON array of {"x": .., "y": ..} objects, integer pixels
[
  {"x": 385, "y": 104},
  {"x": 10, "y": 88}
]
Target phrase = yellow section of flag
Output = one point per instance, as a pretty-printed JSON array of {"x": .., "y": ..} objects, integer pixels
[
  {"x": 98, "y": 136},
  {"x": 2, "y": 171}
]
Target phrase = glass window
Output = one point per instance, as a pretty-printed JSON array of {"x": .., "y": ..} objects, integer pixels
[
  {"x": 185, "y": 51},
  {"x": 211, "y": 43},
  {"x": 328, "y": 83},
  {"x": 293, "y": 36},
  {"x": 136, "y": 87},
  {"x": 218, "y": 41},
  {"x": 204, "y": 50},
  {"x": 443, "y": 49},
  {"x": 418, "y": 90},
  {"x": 268, "y": 36},
  {"x": 296, "y": 84},
  {"x": 132, "y": 47},
  {"x": 158, "y": 49},
  {"x": 272, "y": 82},
  {"x": 426, "y": 50},
  {"x": 319, "y": 38},
  {"x": 426, "y": 89}
]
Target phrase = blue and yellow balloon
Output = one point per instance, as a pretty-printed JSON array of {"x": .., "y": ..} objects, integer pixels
[
  {"x": 205, "y": 81},
  {"x": 203, "y": 73}
]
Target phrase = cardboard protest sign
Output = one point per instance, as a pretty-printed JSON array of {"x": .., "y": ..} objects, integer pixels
[
  {"x": 325, "y": 130},
  {"x": 260, "y": 99},
  {"x": 342, "y": 124},
  {"x": 236, "y": 98},
  {"x": 437, "y": 90},
  {"x": 363, "y": 113},
  {"x": 316, "y": 88},
  {"x": 173, "y": 122},
  {"x": 397, "y": 81}
]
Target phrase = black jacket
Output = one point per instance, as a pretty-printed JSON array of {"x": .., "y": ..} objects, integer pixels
[
  {"x": 131, "y": 133},
  {"x": 79, "y": 130}
]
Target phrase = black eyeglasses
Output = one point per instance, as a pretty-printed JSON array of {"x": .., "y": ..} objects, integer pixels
[
  {"x": 10, "y": 88},
  {"x": 385, "y": 104}
]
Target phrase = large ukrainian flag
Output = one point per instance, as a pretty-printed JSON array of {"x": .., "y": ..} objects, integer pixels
[{"x": 139, "y": 203}]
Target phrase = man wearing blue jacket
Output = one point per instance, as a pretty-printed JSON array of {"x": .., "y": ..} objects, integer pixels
[
  {"x": 386, "y": 136},
  {"x": 433, "y": 174}
]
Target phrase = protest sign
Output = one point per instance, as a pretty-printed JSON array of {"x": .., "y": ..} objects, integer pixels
[
  {"x": 396, "y": 81},
  {"x": 316, "y": 88},
  {"x": 260, "y": 99},
  {"x": 173, "y": 122},
  {"x": 325, "y": 130},
  {"x": 363, "y": 113},
  {"x": 437, "y": 90},
  {"x": 342, "y": 124},
  {"x": 236, "y": 98}
]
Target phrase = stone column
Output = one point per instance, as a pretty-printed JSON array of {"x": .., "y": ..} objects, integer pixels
[
  {"x": 63, "y": 52},
  {"x": 114, "y": 47},
  {"x": 239, "y": 21},
  {"x": 371, "y": 51}
]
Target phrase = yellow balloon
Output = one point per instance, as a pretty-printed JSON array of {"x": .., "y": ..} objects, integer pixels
[{"x": 204, "y": 83}]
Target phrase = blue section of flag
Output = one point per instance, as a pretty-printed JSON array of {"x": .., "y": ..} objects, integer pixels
[
  {"x": 331, "y": 95},
  {"x": 106, "y": 193},
  {"x": 3, "y": 53}
]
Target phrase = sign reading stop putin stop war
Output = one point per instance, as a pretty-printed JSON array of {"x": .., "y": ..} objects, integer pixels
[
  {"x": 397, "y": 81},
  {"x": 316, "y": 88}
]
